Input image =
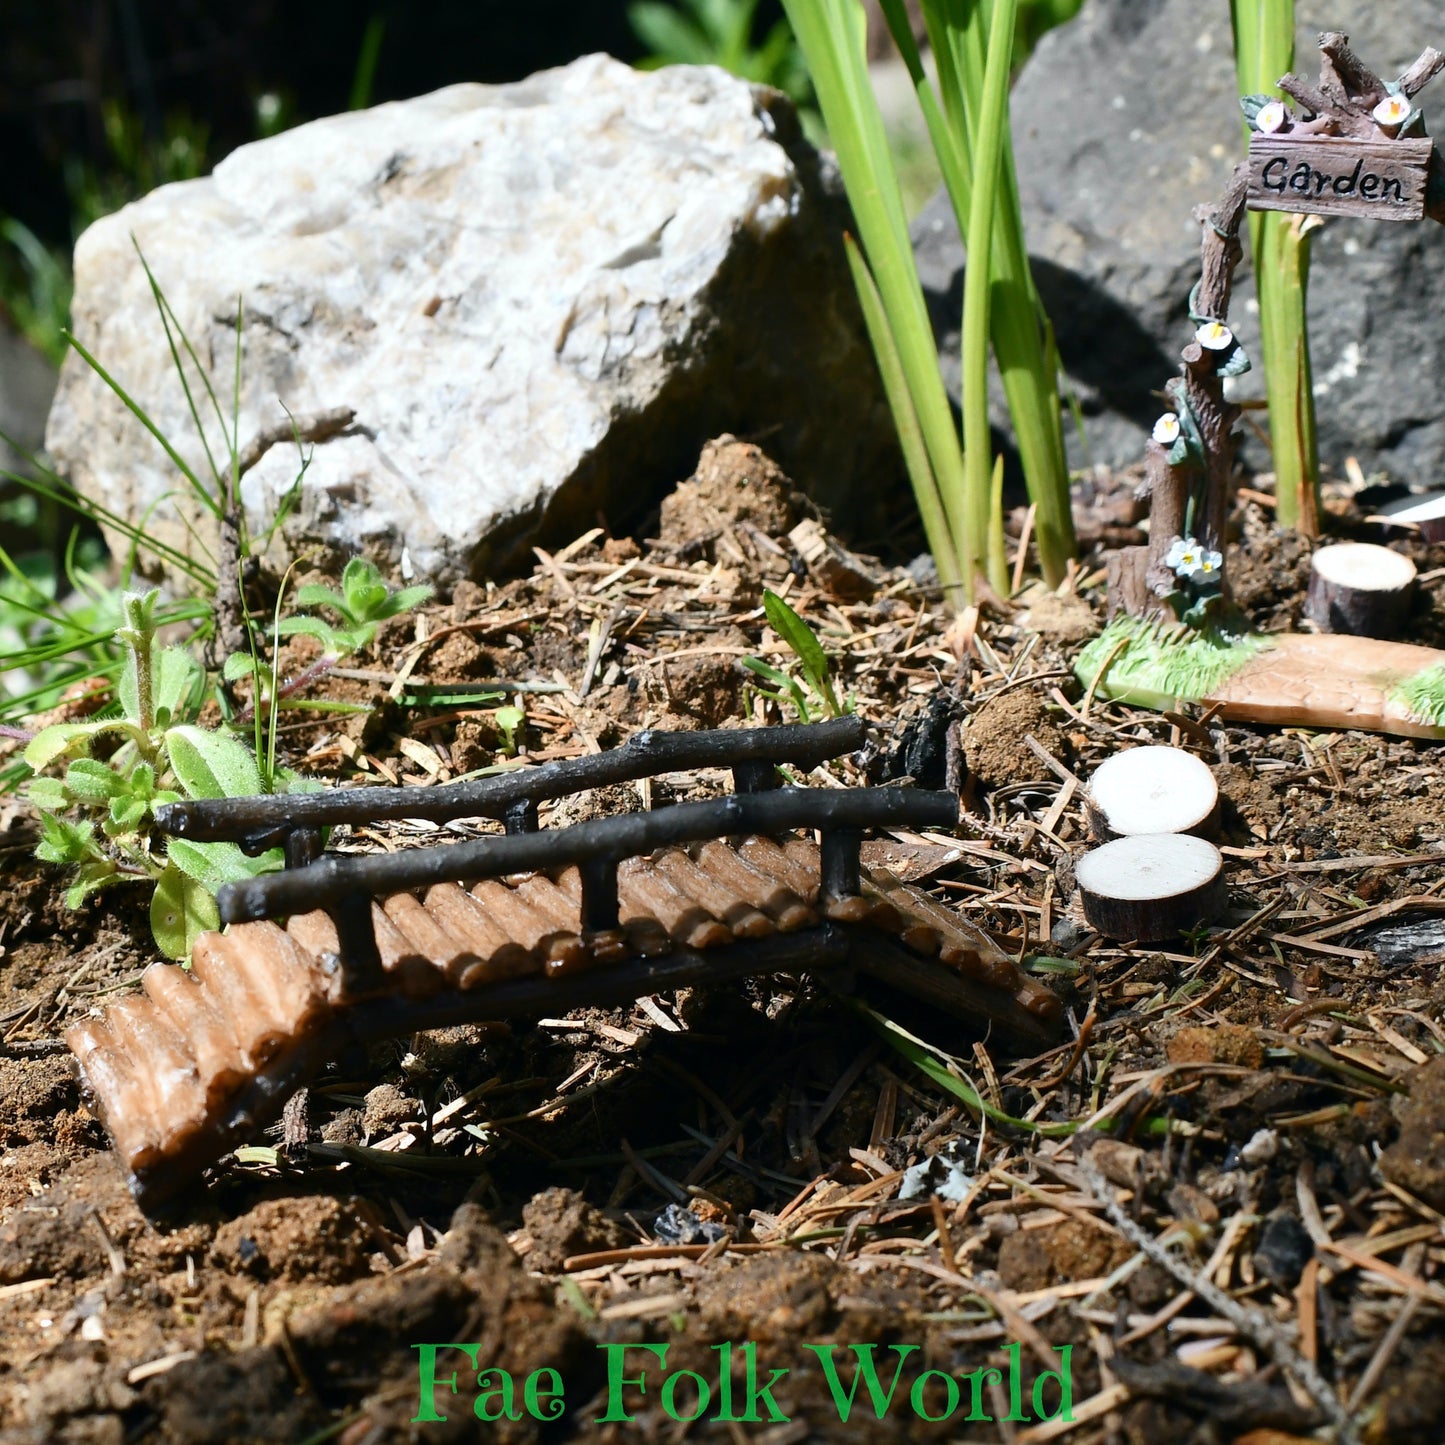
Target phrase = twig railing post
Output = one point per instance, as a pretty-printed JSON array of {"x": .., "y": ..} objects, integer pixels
[
  {"x": 601, "y": 908},
  {"x": 361, "y": 970},
  {"x": 841, "y": 862},
  {"x": 521, "y": 816},
  {"x": 754, "y": 777},
  {"x": 302, "y": 845}
]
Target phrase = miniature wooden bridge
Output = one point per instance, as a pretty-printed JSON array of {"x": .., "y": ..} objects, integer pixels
[{"x": 522, "y": 924}]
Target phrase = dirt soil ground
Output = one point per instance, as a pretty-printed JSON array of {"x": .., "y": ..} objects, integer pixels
[{"x": 733, "y": 1174}]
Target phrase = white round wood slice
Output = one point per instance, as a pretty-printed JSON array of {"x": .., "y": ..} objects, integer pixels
[
  {"x": 1427, "y": 513},
  {"x": 1360, "y": 589},
  {"x": 1155, "y": 790},
  {"x": 1151, "y": 887}
]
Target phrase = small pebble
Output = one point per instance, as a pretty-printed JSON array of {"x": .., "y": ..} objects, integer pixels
[
  {"x": 1284, "y": 1250},
  {"x": 1067, "y": 934},
  {"x": 1262, "y": 1147},
  {"x": 676, "y": 1225},
  {"x": 939, "y": 1175}
]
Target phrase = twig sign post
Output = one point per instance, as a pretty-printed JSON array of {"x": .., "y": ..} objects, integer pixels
[{"x": 1357, "y": 147}]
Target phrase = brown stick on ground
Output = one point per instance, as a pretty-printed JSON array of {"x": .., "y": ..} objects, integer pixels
[{"x": 231, "y": 635}]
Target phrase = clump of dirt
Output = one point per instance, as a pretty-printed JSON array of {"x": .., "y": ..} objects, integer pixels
[
  {"x": 762, "y": 1299},
  {"x": 993, "y": 740},
  {"x": 310, "y": 1238},
  {"x": 1030, "y": 1259},
  {"x": 36, "y": 1092},
  {"x": 1413, "y": 1407},
  {"x": 1217, "y": 1044},
  {"x": 387, "y": 1109},
  {"x": 562, "y": 1223},
  {"x": 1067, "y": 619},
  {"x": 736, "y": 482},
  {"x": 474, "y": 744},
  {"x": 42, "y": 1240},
  {"x": 701, "y": 690},
  {"x": 327, "y": 1347},
  {"x": 1416, "y": 1160},
  {"x": 1268, "y": 575},
  {"x": 459, "y": 655},
  {"x": 1024, "y": 1261},
  {"x": 599, "y": 803},
  {"x": 1354, "y": 809}
]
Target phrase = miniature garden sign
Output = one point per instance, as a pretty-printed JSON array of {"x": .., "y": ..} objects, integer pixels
[{"x": 1356, "y": 146}]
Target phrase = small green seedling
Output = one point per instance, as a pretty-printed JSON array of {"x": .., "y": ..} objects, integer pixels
[
  {"x": 98, "y": 816},
  {"x": 362, "y": 604},
  {"x": 510, "y": 721},
  {"x": 820, "y": 693}
]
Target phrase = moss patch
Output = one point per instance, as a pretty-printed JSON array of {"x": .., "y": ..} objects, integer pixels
[
  {"x": 1423, "y": 696},
  {"x": 1151, "y": 665}
]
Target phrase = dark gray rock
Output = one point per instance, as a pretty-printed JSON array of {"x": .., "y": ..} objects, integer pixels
[
  {"x": 27, "y": 383},
  {"x": 1124, "y": 121}
]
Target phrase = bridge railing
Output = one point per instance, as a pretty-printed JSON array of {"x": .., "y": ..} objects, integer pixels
[
  {"x": 295, "y": 820},
  {"x": 344, "y": 886}
]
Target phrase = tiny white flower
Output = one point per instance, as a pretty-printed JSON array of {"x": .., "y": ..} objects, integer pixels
[
  {"x": 1271, "y": 117},
  {"x": 1166, "y": 429},
  {"x": 1392, "y": 111},
  {"x": 1209, "y": 564},
  {"x": 1183, "y": 556},
  {"x": 1215, "y": 335}
]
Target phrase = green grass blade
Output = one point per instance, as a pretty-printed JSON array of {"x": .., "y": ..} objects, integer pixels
[
  {"x": 363, "y": 79},
  {"x": 948, "y": 147},
  {"x": 1279, "y": 244},
  {"x": 233, "y": 490},
  {"x": 831, "y": 35},
  {"x": 25, "y": 582},
  {"x": 55, "y": 490},
  {"x": 1018, "y": 328},
  {"x": 935, "y": 1066},
  {"x": 977, "y": 289},
  {"x": 905, "y": 419},
  {"x": 168, "y": 316},
  {"x": 140, "y": 414},
  {"x": 955, "y": 34},
  {"x": 1028, "y": 363}
]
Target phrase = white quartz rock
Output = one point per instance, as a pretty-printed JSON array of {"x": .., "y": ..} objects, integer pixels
[{"x": 539, "y": 299}]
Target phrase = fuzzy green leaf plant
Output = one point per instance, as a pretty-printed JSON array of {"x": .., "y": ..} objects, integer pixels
[
  {"x": 362, "y": 603},
  {"x": 97, "y": 811},
  {"x": 955, "y": 481}
]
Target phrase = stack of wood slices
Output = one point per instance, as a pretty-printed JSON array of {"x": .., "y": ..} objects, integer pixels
[{"x": 1158, "y": 878}]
